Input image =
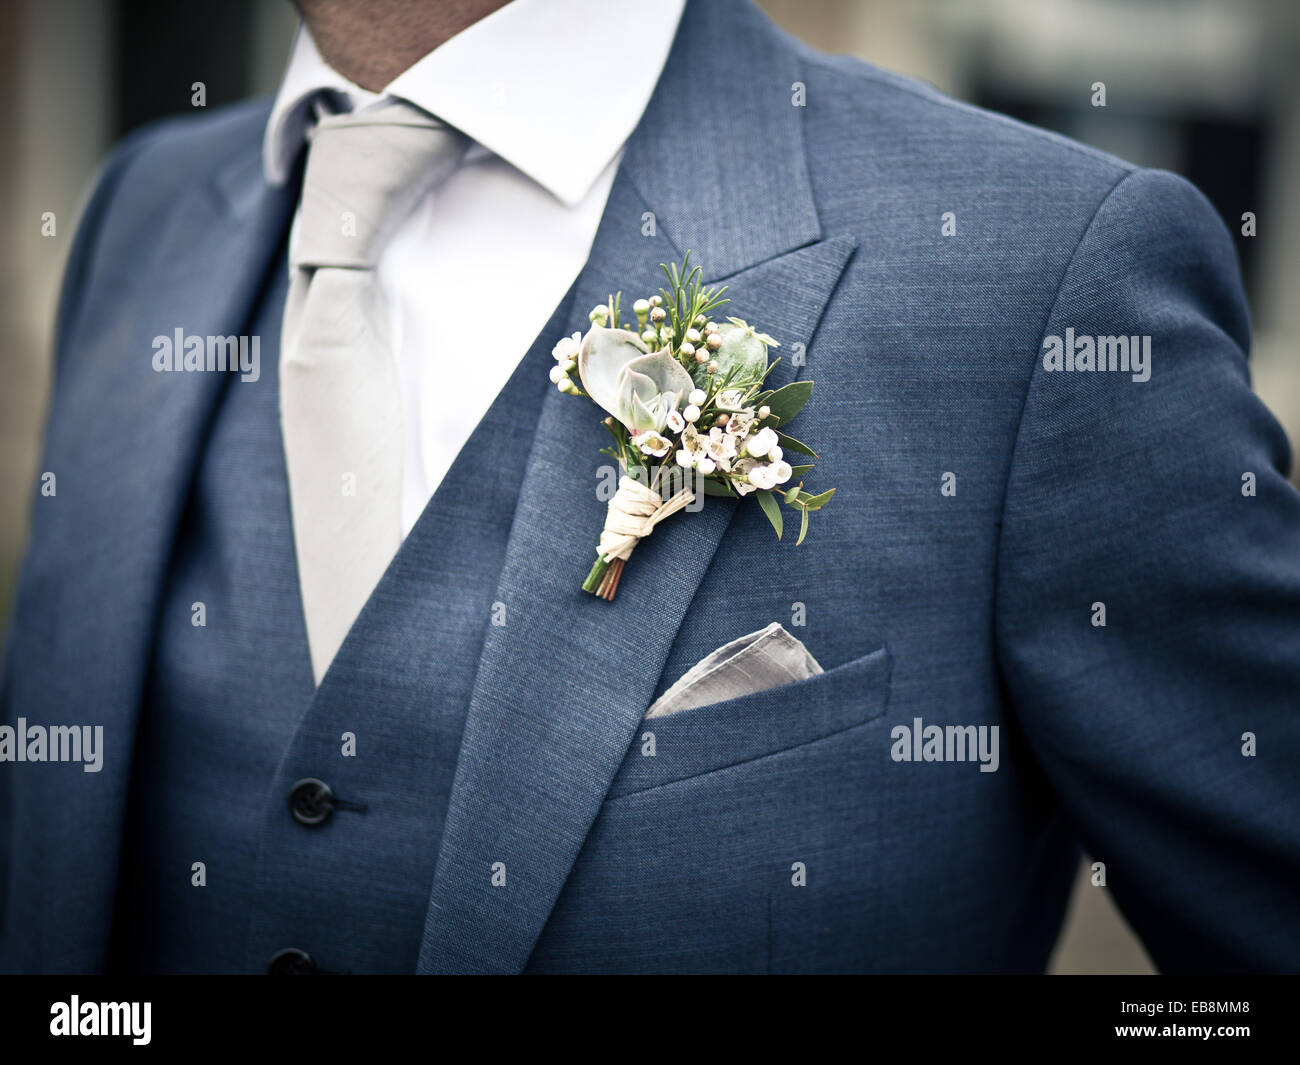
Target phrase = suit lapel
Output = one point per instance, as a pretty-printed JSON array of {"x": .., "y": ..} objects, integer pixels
[
  {"x": 562, "y": 686},
  {"x": 125, "y": 442}
]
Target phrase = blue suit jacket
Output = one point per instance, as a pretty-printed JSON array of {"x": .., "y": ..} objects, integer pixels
[{"x": 825, "y": 217}]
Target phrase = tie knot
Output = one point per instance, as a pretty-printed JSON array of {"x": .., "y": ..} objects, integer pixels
[{"x": 365, "y": 172}]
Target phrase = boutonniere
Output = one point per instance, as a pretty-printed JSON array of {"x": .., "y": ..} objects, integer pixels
[{"x": 688, "y": 413}]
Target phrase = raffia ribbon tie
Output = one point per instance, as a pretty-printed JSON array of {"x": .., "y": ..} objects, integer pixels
[{"x": 633, "y": 513}]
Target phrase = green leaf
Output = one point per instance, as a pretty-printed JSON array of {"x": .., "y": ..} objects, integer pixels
[
  {"x": 788, "y": 401},
  {"x": 713, "y": 488},
  {"x": 768, "y": 502},
  {"x": 609, "y": 428},
  {"x": 792, "y": 495},
  {"x": 799, "y": 471},
  {"x": 789, "y": 443},
  {"x": 815, "y": 502},
  {"x": 803, "y": 528}
]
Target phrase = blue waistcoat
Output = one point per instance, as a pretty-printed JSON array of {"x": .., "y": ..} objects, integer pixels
[{"x": 231, "y": 721}]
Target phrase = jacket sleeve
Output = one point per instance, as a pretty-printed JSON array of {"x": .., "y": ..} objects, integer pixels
[
  {"x": 1172, "y": 731},
  {"x": 81, "y": 259}
]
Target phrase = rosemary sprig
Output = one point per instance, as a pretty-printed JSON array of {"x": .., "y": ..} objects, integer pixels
[{"x": 686, "y": 299}]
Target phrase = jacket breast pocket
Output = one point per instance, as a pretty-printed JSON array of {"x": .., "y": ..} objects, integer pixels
[{"x": 707, "y": 738}]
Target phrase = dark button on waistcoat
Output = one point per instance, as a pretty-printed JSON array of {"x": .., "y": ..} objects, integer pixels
[
  {"x": 291, "y": 962},
  {"x": 311, "y": 802}
]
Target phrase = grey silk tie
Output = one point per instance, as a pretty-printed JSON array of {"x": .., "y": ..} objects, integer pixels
[{"x": 340, "y": 410}]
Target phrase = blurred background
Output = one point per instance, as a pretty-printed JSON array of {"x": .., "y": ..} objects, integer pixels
[{"x": 1207, "y": 88}]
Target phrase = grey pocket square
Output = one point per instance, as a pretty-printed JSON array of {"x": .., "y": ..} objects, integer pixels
[{"x": 764, "y": 659}]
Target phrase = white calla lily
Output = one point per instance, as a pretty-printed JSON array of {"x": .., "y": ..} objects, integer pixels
[
  {"x": 601, "y": 359},
  {"x": 650, "y": 387},
  {"x": 638, "y": 388}
]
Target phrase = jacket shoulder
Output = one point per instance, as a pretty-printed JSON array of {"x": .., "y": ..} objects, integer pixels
[
  {"x": 924, "y": 125},
  {"x": 154, "y": 165},
  {"x": 145, "y": 174}
]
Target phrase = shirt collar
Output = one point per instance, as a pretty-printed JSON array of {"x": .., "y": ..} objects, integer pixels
[{"x": 553, "y": 87}]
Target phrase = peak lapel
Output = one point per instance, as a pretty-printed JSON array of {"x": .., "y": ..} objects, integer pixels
[
  {"x": 563, "y": 684},
  {"x": 719, "y": 152},
  {"x": 123, "y": 441}
]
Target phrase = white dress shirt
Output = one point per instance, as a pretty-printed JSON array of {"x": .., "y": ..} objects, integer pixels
[{"x": 548, "y": 90}]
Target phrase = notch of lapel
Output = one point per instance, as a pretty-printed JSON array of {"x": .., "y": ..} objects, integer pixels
[
  {"x": 126, "y": 441},
  {"x": 563, "y": 684}
]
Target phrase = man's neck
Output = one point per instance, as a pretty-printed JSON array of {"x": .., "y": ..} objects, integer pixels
[{"x": 370, "y": 42}]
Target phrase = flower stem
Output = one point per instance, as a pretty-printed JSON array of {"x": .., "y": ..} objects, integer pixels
[
  {"x": 596, "y": 575},
  {"x": 609, "y": 585},
  {"x": 603, "y": 579}
]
